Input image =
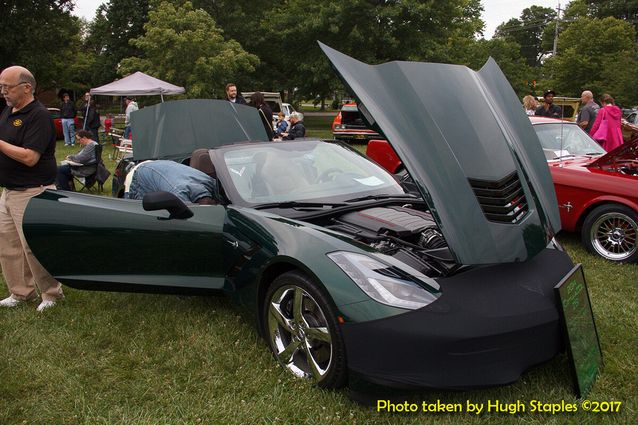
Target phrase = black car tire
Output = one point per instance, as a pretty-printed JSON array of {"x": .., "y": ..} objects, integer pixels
[
  {"x": 310, "y": 344},
  {"x": 610, "y": 231}
]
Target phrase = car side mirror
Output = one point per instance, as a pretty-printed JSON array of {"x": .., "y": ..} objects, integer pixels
[{"x": 166, "y": 201}]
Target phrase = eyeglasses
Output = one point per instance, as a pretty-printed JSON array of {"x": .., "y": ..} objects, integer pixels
[{"x": 7, "y": 87}]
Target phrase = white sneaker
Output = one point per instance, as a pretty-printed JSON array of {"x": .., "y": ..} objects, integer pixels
[
  {"x": 45, "y": 304},
  {"x": 10, "y": 301}
]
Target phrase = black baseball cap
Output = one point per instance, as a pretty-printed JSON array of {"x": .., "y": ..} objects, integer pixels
[{"x": 552, "y": 92}]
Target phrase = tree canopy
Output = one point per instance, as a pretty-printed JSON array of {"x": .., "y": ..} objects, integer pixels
[
  {"x": 270, "y": 46},
  {"x": 598, "y": 55},
  {"x": 185, "y": 47},
  {"x": 116, "y": 22},
  {"x": 528, "y": 32},
  {"x": 42, "y": 36}
]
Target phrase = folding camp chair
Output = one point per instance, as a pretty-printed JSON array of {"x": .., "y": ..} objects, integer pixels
[
  {"x": 88, "y": 182},
  {"x": 116, "y": 136},
  {"x": 125, "y": 147}
]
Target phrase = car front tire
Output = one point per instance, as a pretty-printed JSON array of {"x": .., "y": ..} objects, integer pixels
[
  {"x": 610, "y": 231},
  {"x": 300, "y": 323}
]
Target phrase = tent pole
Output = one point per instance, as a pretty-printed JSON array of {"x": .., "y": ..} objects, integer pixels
[{"x": 86, "y": 113}]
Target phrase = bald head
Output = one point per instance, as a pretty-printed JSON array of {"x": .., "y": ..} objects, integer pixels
[
  {"x": 18, "y": 85},
  {"x": 20, "y": 73},
  {"x": 586, "y": 97}
]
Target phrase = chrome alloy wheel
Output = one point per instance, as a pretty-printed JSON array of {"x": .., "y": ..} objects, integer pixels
[
  {"x": 299, "y": 333},
  {"x": 613, "y": 236}
]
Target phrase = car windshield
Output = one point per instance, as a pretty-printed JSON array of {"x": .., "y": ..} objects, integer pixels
[
  {"x": 307, "y": 171},
  {"x": 560, "y": 140}
]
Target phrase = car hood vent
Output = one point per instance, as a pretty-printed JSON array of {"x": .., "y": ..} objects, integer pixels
[{"x": 502, "y": 201}]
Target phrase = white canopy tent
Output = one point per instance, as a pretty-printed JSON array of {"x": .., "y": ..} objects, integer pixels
[{"x": 138, "y": 84}]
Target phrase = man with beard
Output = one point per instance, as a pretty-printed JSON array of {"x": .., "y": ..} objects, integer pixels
[{"x": 233, "y": 96}]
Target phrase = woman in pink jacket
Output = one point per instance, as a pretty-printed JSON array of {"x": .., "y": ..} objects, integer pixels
[{"x": 606, "y": 129}]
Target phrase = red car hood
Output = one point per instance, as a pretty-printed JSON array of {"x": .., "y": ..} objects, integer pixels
[{"x": 626, "y": 152}]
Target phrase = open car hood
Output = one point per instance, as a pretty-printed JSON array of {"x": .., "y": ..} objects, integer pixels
[
  {"x": 626, "y": 152},
  {"x": 470, "y": 148},
  {"x": 176, "y": 128}
]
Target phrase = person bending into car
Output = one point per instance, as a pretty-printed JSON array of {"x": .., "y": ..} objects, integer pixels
[
  {"x": 187, "y": 183},
  {"x": 85, "y": 161},
  {"x": 297, "y": 128}
]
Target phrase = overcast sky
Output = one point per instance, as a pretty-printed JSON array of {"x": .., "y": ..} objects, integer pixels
[{"x": 495, "y": 13}]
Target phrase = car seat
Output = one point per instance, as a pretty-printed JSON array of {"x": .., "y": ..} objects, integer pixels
[{"x": 200, "y": 160}]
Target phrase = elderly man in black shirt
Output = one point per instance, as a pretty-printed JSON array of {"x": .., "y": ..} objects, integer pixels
[{"x": 27, "y": 168}]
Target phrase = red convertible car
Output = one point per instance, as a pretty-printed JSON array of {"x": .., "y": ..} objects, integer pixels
[{"x": 597, "y": 191}]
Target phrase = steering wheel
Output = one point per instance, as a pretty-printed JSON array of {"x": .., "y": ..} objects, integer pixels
[{"x": 325, "y": 175}]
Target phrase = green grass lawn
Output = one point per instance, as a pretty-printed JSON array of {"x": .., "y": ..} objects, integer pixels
[
  {"x": 110, "y": 358},
  {"x": 318, "y": 126}
]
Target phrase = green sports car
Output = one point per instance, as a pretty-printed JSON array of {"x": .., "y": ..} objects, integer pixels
[{"x": 350, "y": 278}]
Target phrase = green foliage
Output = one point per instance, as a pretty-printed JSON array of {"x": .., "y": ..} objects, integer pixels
[
  {"x": 598, "y": 55},
  {"x": 115, "y": 23},
  {"x": 370, "y": 31},
  {"x": 506, "y": 52},
  {"x": 529, "y": 32},
  {"x": 626, "y": 10},
  {"x": 186, "y": 47},
  {"x": 240, "y": 21},
  {"x": 42, "y": 36}
]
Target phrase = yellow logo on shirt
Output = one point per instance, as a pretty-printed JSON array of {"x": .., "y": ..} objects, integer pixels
[{"x": 17, "y": 123}]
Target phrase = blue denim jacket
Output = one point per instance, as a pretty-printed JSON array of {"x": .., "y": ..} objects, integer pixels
[
  {"x": 281, "y": 127},
  {"x": 185, "y": 182}
]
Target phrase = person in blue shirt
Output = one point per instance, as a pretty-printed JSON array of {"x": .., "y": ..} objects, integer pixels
[
  {"x": 187, "y": 183},
  {"x": 281, "y": 125}
]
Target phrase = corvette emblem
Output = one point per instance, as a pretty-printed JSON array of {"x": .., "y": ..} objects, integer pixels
[
  {"x": 234, "y": 244},
  {"x": 17, "y": 123}
]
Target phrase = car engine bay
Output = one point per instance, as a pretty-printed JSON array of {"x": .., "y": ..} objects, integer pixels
[{"x": 403, "y": 232}]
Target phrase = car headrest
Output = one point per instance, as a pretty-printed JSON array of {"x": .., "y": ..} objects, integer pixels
[{"x": 200, "y": 160}]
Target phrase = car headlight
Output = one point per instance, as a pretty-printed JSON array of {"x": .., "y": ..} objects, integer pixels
[{"x": 387, "y": 280}]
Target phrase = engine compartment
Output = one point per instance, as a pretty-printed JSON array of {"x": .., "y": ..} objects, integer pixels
[
  {"x": 404, "y": 232},
  {"x": 629, "y": 167}
]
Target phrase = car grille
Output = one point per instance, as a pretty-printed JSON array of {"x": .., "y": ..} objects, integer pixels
[{"x": 502, "y": 201}]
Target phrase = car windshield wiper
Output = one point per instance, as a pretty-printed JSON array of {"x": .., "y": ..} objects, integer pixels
[
  {"x": 571, "y": 155},
  {"x": 296, "y": 204},
  {"x": 593, "y": 153},
  {"x": 382, "y": 196}
]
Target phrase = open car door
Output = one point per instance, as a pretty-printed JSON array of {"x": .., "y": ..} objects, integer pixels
[{"x": 101, "y": 243}]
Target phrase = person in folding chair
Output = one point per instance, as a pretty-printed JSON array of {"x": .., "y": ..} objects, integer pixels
[{"x": 82, "y": 164}]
